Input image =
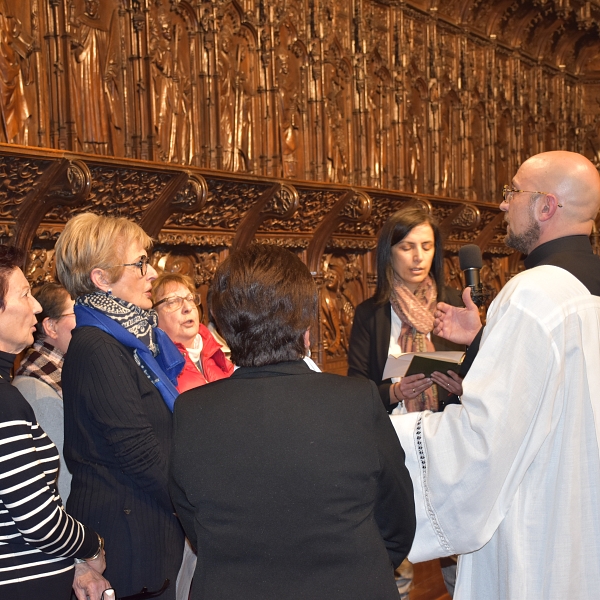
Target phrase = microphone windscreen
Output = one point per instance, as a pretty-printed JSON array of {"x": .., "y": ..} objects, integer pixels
[{"x": 469, "y": 257}]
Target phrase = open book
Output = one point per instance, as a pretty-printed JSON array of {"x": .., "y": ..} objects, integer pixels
[{"x": 412, "y": 363}]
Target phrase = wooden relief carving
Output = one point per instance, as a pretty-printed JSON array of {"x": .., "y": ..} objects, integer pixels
[
  {"x": 226, "y": 204},
  {"x": 236, "y": 70},
  {"x": 17, "y": 72},
  {"x": 170, "y": 65},
  {"x": 341, "y": 292},
  {"x": 19, "y": 176},
  {"x": 40, "y": 267},
  {"x": 96, "y": 87},
  {"x": 117, "y": 192},
  {"x": 313, "y": 206},
  {"x": 412, "y": 96},
  {"x": 338, "y": 110},
  {"x": 291, "y": 58}
]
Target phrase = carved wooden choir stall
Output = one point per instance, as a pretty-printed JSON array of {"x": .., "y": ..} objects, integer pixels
[{"x": 303, "y": 123}]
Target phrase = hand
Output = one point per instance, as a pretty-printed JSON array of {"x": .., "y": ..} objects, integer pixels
[
  {"x": 98, "y": 564},
  {"x": 412, "y": 386},
  {"x": 451, "y": 382},
  {"x": 88, "y": 583},
  {"x": 459, "y": 325}
]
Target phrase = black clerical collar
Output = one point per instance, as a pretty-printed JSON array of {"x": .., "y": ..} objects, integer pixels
[{"x": 542, "y": 255}]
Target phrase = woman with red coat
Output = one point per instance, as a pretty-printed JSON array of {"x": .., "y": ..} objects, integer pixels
[{"x": 176, "y": 304}]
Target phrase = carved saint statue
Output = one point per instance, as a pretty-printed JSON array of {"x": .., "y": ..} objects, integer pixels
[
  {"x": 171, "y": 91},
  {"x": 336, "y": 103},
  {"x": 15, "y": 49},
  {"x": 337, "y": 308},
  {"x": 234, "y": 103},
  {"x": 290, "y": 117},
  {"x": 95, "y": 83},
  {"x": 415, "y": 149}
]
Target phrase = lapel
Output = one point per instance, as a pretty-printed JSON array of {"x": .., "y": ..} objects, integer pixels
[{"x": 383, "y": 328}]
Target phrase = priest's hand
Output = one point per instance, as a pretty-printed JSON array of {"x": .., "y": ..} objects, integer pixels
[{"x": 458, "y": 325}]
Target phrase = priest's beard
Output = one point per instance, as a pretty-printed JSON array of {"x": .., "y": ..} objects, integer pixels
[{"x": 524, "y": 242}]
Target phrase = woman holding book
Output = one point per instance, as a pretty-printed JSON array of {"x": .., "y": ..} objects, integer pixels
[{"x": 399, "y": 317}]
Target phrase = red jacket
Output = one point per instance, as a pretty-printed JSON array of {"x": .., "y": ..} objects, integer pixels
[{"x": 215, "y": 364}]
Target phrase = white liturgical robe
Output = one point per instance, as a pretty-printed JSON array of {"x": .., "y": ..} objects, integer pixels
[{"x": 510, "y": 479}]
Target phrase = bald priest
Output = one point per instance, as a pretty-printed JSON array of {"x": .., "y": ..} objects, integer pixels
[{"x": 510, "y": 479}]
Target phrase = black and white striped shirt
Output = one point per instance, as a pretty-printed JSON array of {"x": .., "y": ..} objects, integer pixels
[{"x": 37, "y": 537}]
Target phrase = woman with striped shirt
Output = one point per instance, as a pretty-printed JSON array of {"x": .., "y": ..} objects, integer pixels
[{"x": 38, "y": 539}]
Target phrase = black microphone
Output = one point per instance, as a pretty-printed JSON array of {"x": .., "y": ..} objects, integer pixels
[{"x": 470, "y": 260}]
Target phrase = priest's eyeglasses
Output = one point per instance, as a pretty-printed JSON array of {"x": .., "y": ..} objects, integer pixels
[
  {"x": 173, "y": 303},
  {"x": 141, "y": 264},
  {"x": 508, "y": 192}
]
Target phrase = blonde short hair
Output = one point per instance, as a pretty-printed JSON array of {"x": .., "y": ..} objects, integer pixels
[
  {"x": 166, "y": 278},
  {"x": 89, "y": 242}
]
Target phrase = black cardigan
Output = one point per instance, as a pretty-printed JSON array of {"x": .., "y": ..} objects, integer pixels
[
  {"x": 117, "y": 446},
  {"x": 370, "y": 343}
]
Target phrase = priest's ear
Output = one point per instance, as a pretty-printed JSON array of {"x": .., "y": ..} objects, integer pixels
[{"x": 548, "y": 207}]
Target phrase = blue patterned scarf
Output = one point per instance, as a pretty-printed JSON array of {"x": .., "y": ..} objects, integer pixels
[{"x": 135, "y": 328}]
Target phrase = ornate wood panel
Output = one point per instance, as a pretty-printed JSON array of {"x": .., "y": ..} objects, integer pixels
[
  {"x": 419, "y": 96},
  {"x": 196, "y": 216}
]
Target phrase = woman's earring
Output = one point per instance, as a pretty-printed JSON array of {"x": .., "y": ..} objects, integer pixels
[{"x": 109, "y": 292}]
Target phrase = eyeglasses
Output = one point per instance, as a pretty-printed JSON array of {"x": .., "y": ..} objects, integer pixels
[
  {"x": 141, "y": 264},
  {"x": 173, "y": 303},
  {"x": 508, "y": 192},
  {"x": 64, "y": 315}
]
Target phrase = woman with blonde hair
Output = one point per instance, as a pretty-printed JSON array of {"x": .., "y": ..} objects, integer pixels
[{"x": 119, "y": 380}]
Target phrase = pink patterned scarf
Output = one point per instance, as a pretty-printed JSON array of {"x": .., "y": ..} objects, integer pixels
[{"x": 416, "y": 313}]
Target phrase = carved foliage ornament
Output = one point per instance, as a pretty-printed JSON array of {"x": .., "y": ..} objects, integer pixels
[
  {"x": 18, "y": 176},
  {"x": 117, "y": 192}
]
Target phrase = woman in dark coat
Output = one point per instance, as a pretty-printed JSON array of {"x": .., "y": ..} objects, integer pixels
[
  {"x": 399, "y": 317},
  {"x": 118, "y": 382},
  {"x": 290, "y": 483}
]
